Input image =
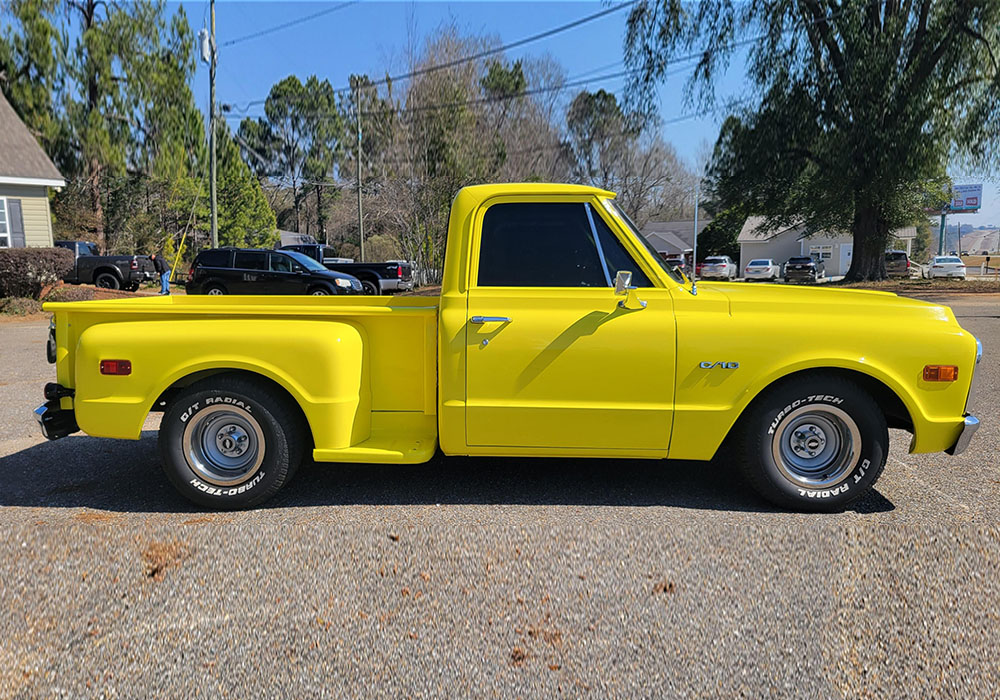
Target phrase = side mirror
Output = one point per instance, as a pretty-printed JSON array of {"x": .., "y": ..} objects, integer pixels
[{"x": 623, "y": 282}]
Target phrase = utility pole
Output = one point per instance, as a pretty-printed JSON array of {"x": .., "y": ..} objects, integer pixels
[
  {"x": 694, "y": 245},
  {"x": 944, "y": 209},
  {"x": 361, "y": 220},
  {"x": 211, "y": 133}
]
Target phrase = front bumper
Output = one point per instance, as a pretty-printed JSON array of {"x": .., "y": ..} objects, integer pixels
[
  {"x": 969, "y": 429},
  {"x": 54, "y": 421}
]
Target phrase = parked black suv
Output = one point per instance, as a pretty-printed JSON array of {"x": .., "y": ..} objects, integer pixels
[
  {"x": 804, "y": 268},
  {"x": 255, "y": 271}
]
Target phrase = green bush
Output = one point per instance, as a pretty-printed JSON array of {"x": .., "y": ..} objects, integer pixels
[
  {"x": 70, "y": 294},
  {"x": 25, "y": 272},
  {"x": 19, "y": 306}
]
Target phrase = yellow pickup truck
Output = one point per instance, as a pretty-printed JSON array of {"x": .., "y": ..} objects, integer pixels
[{"x": 558, "y": 332}]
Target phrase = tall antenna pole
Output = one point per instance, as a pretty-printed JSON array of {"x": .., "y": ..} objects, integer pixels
[
  {"x": 211, "y": 133},
  {"x": 361, "y": 220},
  {"x": 694, "y": 245}
]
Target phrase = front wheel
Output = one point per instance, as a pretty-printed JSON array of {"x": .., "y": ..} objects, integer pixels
[
  {"x": 814, "y": 444},
  {"x": 319, "y": 292},
  {"x": 231, "y": 442},
  {"x": 369, "y": 287}
]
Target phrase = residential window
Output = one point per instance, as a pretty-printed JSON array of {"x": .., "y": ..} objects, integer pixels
[
  {"x": 4, "y": 225},
  {"x": 823, "y": 252}
]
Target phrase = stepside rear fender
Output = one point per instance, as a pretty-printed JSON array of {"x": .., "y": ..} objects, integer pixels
[{"x": 322, "y": 364}]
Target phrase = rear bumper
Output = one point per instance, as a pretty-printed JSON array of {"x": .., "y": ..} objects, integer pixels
[
  {"x": 54, "y": 421},
  {"x": 396, "y": 285}
]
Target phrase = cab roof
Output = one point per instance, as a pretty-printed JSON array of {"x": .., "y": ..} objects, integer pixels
[{"x": 482, "y": 192}]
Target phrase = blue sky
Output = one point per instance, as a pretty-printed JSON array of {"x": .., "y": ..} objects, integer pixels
[{"x": 371, "y": 37}]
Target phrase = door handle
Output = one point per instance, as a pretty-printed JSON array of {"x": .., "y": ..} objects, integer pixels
[{"x": 490, "y": 319}]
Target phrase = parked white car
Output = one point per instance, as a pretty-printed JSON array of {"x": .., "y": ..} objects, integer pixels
[
  {"x": 762, "y": 269},
  {"x": 718, "y": 267},
  {"x": 946, "y": 266}
]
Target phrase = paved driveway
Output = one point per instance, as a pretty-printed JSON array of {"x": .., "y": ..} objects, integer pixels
[{"x": 492, "y": 577}]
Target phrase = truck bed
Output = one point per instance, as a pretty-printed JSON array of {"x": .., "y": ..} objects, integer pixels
[{"x": 394, "y": 394}]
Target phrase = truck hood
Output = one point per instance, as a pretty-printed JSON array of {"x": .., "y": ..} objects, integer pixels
[{"x": 824, "y": 301}]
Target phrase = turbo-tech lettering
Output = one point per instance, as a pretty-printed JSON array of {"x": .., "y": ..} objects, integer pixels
[
  {"x": 234, "y": 491},
  {"x": 813, "y": 398}
]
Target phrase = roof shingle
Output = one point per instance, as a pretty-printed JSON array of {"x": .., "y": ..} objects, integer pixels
[{"x": 20, "y": 154}]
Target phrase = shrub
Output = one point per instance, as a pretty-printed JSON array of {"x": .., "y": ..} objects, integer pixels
[
  {"x": 25, "y": 272},
  {"x": 19, "y": 306},
  {"x": 70, "y": 294}
]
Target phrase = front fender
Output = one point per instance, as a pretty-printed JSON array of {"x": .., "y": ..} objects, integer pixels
[{"x": 322, "y": 364}]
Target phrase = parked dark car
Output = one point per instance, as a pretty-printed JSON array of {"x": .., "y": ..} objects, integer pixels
[
  {"x": 107, "y": 271},
  {"x": 897, "y": 263},
  {"x": 804, "y": 268},
  {"x": 255, "y": 271},
  {"x": 376, "y": 278}
]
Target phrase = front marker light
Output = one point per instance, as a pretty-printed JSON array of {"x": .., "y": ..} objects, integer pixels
[
  {"x": 343, "y": 282},
  {"x": 940, "y": 373}
]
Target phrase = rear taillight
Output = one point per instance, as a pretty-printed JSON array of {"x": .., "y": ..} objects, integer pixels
[
  {"x": 116, "y": 367},
  {"x": 135, "y": 263},
  {"x": 190, "y": 273},
  {"x": 907, "y": 264},
  {"x": 399, "y": 271}
]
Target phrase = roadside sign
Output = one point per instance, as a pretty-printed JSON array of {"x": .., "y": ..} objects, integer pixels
[{"x": 966, "y": 197}]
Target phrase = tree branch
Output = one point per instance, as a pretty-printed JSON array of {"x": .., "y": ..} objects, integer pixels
[
  {"x": 966, "y": 29},
  {"x": 822, "y": 26}
]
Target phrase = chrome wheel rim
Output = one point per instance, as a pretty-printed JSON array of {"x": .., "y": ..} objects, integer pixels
[
  {"x": 224, "y": 445},
  {"x": 215, "y": 292},
  {"x": 319, "y": 293},
  {"x": 816, "y": 446}
]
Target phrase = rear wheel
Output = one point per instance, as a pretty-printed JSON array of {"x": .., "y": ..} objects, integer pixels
[
  {"x": 231, "y": 442},
  {"x": 814, "y": 444},
  {"x": 107, "y": 280},
  {"x": 369, "y": 287},
  {"x": 215, "y": 290}
]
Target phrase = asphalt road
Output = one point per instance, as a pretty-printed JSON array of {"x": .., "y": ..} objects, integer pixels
[{"x": 491, "y": 577}]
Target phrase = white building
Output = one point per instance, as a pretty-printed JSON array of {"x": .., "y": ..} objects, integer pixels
[{"x": 835, "y": 249}]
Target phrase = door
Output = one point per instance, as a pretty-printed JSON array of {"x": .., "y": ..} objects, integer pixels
[
  {"x": 249, "y": 275},
  {"x": 553, "y": 361},
  {"x": 283, "y": 278}
]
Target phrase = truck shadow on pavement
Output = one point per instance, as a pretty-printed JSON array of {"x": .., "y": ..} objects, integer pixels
[{"x": 125, "y": 476}]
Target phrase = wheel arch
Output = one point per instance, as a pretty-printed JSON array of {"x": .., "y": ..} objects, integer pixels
[
  {"x": 897, "y": 411},
  {"x": 113, "y": 270}
]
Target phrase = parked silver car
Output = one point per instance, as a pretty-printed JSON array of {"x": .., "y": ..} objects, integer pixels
[
  {"x": 762, "y": 269},
  {"x": 718, "y": 267}
]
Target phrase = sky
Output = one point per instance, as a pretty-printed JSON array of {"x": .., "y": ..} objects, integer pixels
[{"x": 372, "y": 37}]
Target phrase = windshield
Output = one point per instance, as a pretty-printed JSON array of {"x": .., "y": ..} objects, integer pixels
[
  {"x": 758, "y": 263},
  {"x": 612, "y": 206},
  {"x": 800, "y": 261},
  {"x": 715, "y": 261},
  {"x": 305, "y": 261},
  {"x": 947, "y": 260}
]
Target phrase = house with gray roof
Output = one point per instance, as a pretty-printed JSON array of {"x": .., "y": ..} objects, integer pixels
[
  {"x": 673, "y": 237},
  {"x": 26, "y": 174}
]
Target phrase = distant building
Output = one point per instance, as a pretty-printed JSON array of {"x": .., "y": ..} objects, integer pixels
[
  {"x": 26, "y": 174},
  {"x": 835, "y": 249},
  {"x": 673, "y": 237}
]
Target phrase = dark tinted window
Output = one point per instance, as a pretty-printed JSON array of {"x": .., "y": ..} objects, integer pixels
[
  {"x": 895, "y": 257},
  {"x": 618, "y": 258},
  {"x": 88, "y": 249},
  {"x": 800, "y": 261},
  {"x": 281, "y": 263},
  {"x": 538, "y": 245},
  {"x": 215, "y": 258},
  {"x": 251, "y": 260}
]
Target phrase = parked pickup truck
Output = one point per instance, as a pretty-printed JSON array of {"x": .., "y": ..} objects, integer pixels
[
  {"x": 376, "y": 278},
  {"x": 108, "y": 271},
  {"x": 558, "y": 333}
]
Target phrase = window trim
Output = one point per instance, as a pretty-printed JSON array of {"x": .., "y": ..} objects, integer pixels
[
  {"x": 6, "y": 220},
  {"x": 654, "y": 274}
]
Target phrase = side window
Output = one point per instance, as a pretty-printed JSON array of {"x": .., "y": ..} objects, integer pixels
[
  {"x": 538, "y": 245},
  {"x": 615, "y": 254},
  {"x": 215, "y": 258},
  {"x": 280, "y": 263},
  {"x": 251, "y": 260}
]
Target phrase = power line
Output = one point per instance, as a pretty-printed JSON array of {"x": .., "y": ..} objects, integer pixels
[
  {"x": 481, "y": 54},
  {"x": 291, "y": 23}
]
